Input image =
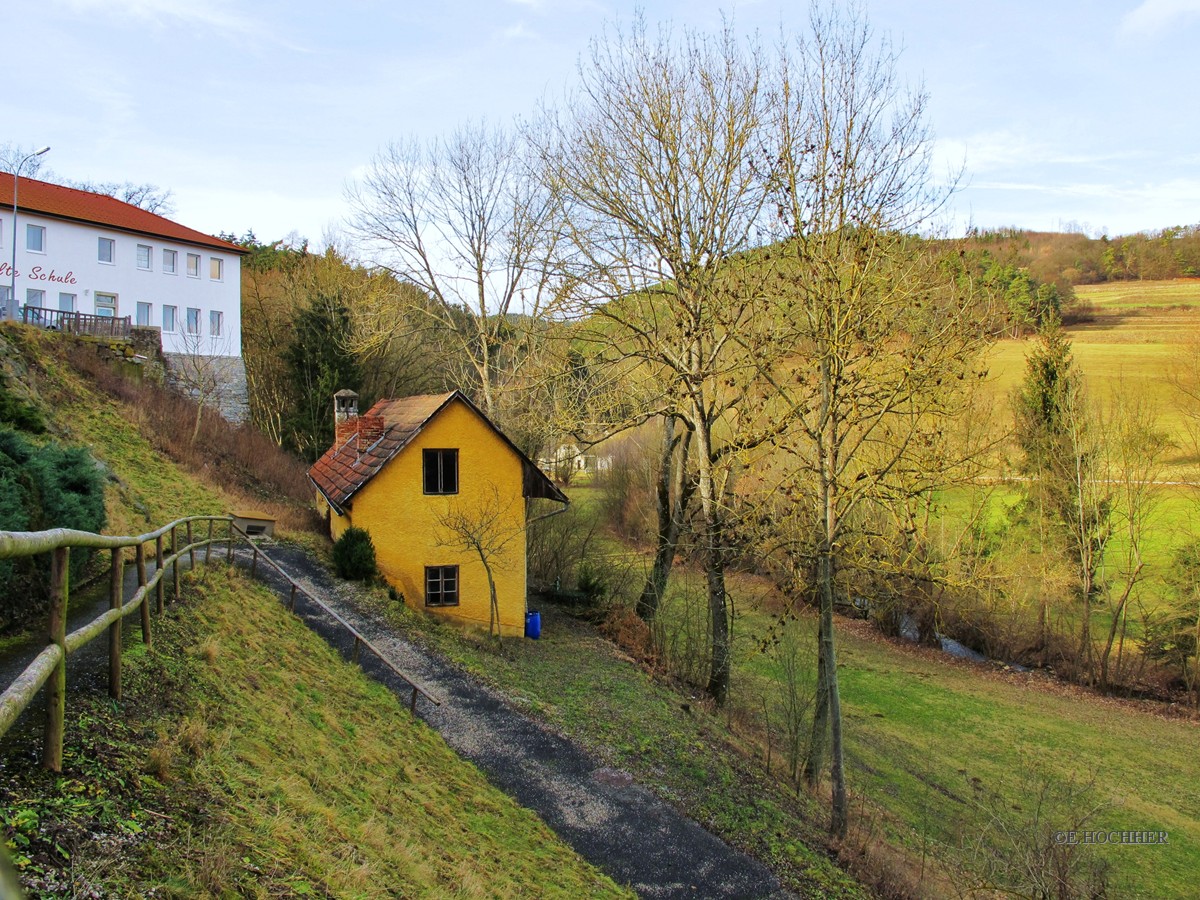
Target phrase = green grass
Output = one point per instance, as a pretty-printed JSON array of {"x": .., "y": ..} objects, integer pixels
[
  {"x": 1179, "y": 292},
  {"x": 921, "y": 730},
  {"x": 580, "y": 683},
  {"x": 928, "y": 738},
  {"x": 937, "y": 749},
  {"x": 277, "y": 770},
  {"x": 246, "y": 759}
]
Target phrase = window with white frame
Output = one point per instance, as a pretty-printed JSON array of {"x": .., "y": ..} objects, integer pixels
[
  {"x": 35, "y": 298},
  {"x": 193, "y": 321},
  {"x": 66, "y": 302},
  {"x": 216, "y": 268},
  {"x": 35, "y": 238},
  {"x": 144, "y": 252},
  {"x": 106, "y": 304},
  {"x": 143, "y": 313},
  {"x": 170, "y": 259},
  {"x": 169, "y": 317},
  {"x": 193, "y": 265},
  {"x": 216, "y": 322},
  {"x": 106, "y": 250}
]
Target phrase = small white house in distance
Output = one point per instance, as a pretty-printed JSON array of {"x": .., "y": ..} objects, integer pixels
[{"x": 77, "y": 251}]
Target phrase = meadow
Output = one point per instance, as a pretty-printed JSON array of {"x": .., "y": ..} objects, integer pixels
[{"x": 1131, "y": 339}]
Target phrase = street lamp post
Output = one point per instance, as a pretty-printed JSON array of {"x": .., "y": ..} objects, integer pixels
[{"x": 11, "y": 306}]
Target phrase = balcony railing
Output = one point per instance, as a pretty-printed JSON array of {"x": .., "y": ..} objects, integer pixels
[{"x": 77, "y": 323}]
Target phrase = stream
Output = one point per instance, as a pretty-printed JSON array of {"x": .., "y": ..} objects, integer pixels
[{"x": 951, "y": 647}]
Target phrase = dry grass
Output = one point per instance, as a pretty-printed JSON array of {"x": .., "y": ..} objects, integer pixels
[{"x": 254, "y": 472}]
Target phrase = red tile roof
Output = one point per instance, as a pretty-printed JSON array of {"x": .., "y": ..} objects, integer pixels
[
  {"x": 343, "y": 470},
  {"x": 100, "y": 209}
]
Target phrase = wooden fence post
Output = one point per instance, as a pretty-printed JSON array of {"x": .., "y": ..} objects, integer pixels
[
  {"x": 141, "y": 575},
  {"x": 159, "y": 587},
  {"x": 116, "y": 596},
  {"x": 191, "y": 550},
  {"x": 208, "y": 546},
  {"x": 175, "y": 565},
  {"x": 229, "y": 557},
  {"x": 56, "y": 686},
  {"x": 292, "y": 605}
]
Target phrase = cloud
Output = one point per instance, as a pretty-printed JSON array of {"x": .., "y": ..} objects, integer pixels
[
  {"x": 518, "y": 32},
  {"x": 214, "y": 15},
  {"x": 993, "y": 151},
  {"x": 1153, "y": 17},
  {"x": 161, "y": 11}
]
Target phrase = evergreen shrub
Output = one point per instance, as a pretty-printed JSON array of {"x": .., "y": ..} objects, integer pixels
[
  {"x": 354, "y": 555},
  {"x": 40, "y": 488}
]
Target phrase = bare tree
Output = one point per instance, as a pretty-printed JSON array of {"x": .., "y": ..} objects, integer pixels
[
  {"x": 485, "y": 529},
  {"x": 149, "y": 197},
  {"x": 652, "y": 164},
  {"x": 884, "y": 337},
  {"x": 463, "y": 219},
  {"x": 200, "y": 370},
  {"x": 1137, "y": 446}
]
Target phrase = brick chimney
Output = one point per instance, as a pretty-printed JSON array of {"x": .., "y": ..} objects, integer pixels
[
  {"x": 370, "y": 429},
  {"x": 344, "y": 429},
  {"x": 345, "y": 416}
]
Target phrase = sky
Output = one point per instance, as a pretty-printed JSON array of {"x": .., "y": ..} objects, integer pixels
[{"x": 258, "y": 115}]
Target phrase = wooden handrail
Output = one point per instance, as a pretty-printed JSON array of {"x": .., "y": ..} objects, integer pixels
[{"x": 51, "y": 662}]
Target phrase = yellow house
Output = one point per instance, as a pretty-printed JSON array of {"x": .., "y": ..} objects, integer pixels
[{"x": 445, "y": 497}]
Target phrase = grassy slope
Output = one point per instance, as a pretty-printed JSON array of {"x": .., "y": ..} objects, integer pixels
[
  {"x": 581, "y": 684},
  {"x": 330, "y": 789}
]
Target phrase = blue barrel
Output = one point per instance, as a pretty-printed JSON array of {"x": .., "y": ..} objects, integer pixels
[{"x": 533, "y": 624}]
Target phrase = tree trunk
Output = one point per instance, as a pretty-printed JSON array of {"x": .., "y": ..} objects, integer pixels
[
  {"x": 815, "y": 761},
  {"x": 714, "y": 561},
  {"x": 1117, "y": 619},
  {"x": 672, "y": 497},
  {"x": 837, "y": 771}
]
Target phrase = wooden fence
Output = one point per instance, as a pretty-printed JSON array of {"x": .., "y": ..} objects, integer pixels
[
  {"x": 77, "y": 323},
  {"x": 50, "y": 666}
]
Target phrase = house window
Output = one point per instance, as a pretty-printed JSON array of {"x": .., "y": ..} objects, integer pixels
[
  {"x": 66, "y": 302},
  {"x": 441, "y": 471},
  {"x": 106, "y": 250},
  {"x": 169, "y": 260},
  {"x": 441, "y": 585},
  {"x": 169, "y": 319},
  {"x": 106, "y": 304},
  {"x": 193, "y": 265},
  {"x": 216, "y": 319},
  {"x": 143, "y": 257},
  {"x": 193, "y": 321},
  {"x": 34, "y": 301},
  {"x": 143, "y": 313},
  {"x": 215, "y": 268},
  {"x": 35, "y": 238}
]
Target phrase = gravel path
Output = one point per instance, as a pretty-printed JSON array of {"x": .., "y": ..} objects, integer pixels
[{"x": 611, "y": 821}]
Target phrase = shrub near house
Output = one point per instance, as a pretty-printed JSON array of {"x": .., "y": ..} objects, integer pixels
[{"x": 444, "y": 495}]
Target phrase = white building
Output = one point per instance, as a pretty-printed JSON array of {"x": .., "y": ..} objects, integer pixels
[{"x": 93, "y": 254}]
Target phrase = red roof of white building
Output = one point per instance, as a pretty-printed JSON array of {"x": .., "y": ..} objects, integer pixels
[{"x": 100, "y": 209}]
